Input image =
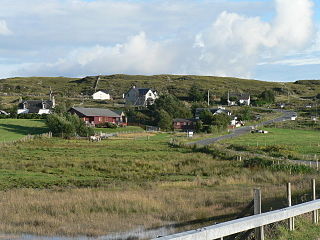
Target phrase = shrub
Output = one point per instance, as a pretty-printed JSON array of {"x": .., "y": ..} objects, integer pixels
[{"x": 67, "y": 126}]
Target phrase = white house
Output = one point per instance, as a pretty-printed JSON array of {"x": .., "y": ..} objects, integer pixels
[
  {"x": 36, "y": 106},
  {"x": 101, "y": 95},
  {"x": 140, "y": 96},
  {"x": 238, "y": 99}
]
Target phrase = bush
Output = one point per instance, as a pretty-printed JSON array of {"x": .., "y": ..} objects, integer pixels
[
  {"x": 67, "y": 126},
  {"x": 107, "y": 125}
]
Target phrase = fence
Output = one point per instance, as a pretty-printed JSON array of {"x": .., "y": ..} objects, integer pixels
[
  {"x": 257, "y": 221},
  {"x": 28, "y": 138}
]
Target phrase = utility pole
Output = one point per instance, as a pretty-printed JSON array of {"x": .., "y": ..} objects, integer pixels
[{"x": 208, "y": 98}]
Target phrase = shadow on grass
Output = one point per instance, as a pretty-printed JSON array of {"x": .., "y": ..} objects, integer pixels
[{"x": 24, "y": 130}]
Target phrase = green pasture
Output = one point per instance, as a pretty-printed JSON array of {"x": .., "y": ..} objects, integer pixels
[
  {"x": 56, "y": 162},
  {"x": 119, "y": 129},
  {"x": 300, "y": 141},
  {"x": 13, "y": 129}
]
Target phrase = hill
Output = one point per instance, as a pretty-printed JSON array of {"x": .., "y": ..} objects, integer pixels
[{"x": 176, "y": 84}]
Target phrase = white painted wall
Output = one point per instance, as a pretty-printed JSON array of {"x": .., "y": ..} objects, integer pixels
[{"x": 101, "y": 96}]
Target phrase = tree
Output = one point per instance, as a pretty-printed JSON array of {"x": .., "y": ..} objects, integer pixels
[
  {"x": 267, "y": 96},
  {"x": 318, "y": 96},
  {"x": 222, "y": 120},
  {"x": 196, "y": 94},
  {"x": 165, "y": 121},
  {"x": 206, "y": 117},
  {"x": 67, "y": 126},
  {"x": 172, "y": 106},
  {"x": 245, "y": 114}
]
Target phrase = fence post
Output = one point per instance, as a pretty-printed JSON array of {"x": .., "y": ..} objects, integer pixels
[
  {"x": 315, "y": 215},
  {"x": 290, "y": 220},
  {"x": 259, "y": 232}
]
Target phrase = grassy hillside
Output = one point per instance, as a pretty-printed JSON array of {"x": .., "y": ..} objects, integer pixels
[
  {"x": 177, "y": 84},
  {"x": 13, "y": 129}
]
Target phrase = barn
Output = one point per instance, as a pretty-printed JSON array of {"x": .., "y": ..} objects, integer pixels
[{"x": 96, "y": 116}]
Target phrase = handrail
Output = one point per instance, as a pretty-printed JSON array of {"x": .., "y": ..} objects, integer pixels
[{"x": 221, "y": 230}]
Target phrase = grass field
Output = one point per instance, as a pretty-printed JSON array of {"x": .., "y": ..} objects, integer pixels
[
  {"x": 72, "y": 187},
  {"x": 119, "y": 130},
  {"x": 298, "y": 142},
  {"x": 13, "y": 129}
]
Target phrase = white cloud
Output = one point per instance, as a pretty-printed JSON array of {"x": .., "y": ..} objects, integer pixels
[
  {"x": 137, "y": 55},
  {"x": 171, "y": 40},
  {"x": 234, "y": 43},
  {"x": 4, "y": 30}
]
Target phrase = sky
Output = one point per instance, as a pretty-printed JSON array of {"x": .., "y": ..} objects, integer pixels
[{"x": 271, "y": 40}]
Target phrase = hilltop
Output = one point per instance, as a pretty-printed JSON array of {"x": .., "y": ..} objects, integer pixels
[{"x": 176, "y": 84}]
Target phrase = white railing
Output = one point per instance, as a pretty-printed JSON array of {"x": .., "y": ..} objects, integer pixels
[
  {"x": 221, "y": 230},
  {"x": 257, "y": 221}
]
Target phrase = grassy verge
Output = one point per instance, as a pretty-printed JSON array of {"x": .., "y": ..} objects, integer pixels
[{"x": 13, "y": 129}]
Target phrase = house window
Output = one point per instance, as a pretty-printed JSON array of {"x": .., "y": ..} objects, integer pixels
[
  {"x": 150, "y": 94},
  {"x": 100, "y": 119}
]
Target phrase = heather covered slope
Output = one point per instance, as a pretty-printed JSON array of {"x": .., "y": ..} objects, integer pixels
[{"x": 178, "y": 84}]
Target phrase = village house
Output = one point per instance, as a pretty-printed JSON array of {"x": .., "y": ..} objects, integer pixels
[
  {"x": 101, "y": 95},
  {"x": 235, "y": 99},
  {"x": 214, "y": 111},
  {"x": 96, "y": 116},
  {"x": 184, "y": 124},
  {"x": 36, "y": 106},
  {"x": 140, "y": 96}
]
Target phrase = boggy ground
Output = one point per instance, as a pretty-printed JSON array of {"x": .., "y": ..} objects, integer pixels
[{"x": 73, "y": 187}]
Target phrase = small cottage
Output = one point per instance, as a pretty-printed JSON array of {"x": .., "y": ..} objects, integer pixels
[
  {"x": 96, "y": 116},
  {"x": 101, "y": 95},
  {"x": 36, "y": 106}
]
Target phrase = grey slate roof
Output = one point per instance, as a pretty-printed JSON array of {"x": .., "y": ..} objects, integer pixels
[
  {"x": 35, "y": 105},
  {"x": 91, "y": 112},
  {"x": 143, "y": 91}
]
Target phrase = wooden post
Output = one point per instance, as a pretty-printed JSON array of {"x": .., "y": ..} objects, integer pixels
[
  {"x": 315, "y": 215},
  {"x": 259, "y": 232},
  {"x": 290, "y": 220}
]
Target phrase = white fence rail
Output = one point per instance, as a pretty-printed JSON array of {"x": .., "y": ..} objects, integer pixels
[{"x": 221, "y": 230}]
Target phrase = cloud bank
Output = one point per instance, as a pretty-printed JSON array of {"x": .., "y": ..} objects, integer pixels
[{"x": 232, "y": 45}]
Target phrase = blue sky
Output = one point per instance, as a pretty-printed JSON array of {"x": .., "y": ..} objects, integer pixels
[{"x": 272, "y": 40}]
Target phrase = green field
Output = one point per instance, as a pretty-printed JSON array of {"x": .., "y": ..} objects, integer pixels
[
  {"x": 301, "y": 142},
  {"x": 119, "y": 129},
  {"x": 13, "y": 129},
  {"x": 77, "y": 187}
]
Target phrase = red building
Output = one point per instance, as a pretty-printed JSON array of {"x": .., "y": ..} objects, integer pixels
[
  {"x": 96, "y": 116},
  {"x": 184, "y": 124}
]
